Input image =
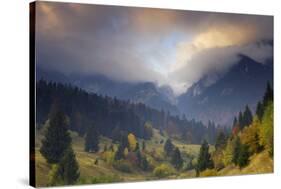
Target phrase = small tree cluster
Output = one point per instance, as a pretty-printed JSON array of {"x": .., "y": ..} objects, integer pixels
[
  {"x": 92, "y": 140},
  {"x": 56, "y": 148},
  {"x": 244, "y": 119}
]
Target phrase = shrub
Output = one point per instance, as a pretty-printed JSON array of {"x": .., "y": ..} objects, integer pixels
[{"x": 163, "y": 170}]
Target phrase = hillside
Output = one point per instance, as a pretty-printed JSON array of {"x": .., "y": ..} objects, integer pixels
[
  {"x": 105, "y": 172},
  {"x": 259, "y": 163},
  {"x": 107, "y": 114},
  {"x": 222, "y": 97},
  {"x": 148, "y": 93}
]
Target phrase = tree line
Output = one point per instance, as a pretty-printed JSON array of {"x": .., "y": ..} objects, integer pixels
[{"x": 84, "y": 110}]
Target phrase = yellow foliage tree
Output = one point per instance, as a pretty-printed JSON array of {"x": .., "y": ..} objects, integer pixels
[
  {"x": 266, "y": 129},
  {"x": 126, "y": 151},
  {"x": 250, "y": 136},
  {"x": 132, "y": 142},
  {"x": 228, "y": 153}
]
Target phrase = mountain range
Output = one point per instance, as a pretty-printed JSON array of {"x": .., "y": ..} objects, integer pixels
[{"x": 214, "y": 97}]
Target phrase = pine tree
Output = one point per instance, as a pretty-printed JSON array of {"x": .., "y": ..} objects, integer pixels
[
  {"x": 92, "y": 140},
  {"x": 68, "y": 168},
  {"x": 57, "y": 138},
  {"x": 144, "y": 164},
  {"x": 268, "y": 96},
  {"x": 247, "y": 117},
  {"x": 221, "y": 141},
  {"x": 169, "y": 147},
  {"x": 236, "y": 150},
  {"x": 240, "y": 120},
  {"x": 243, "y": 158},
  {"x": 177, "y": 159},
  {"x": 120, "y": 152},
  {"x": 204, "y": 159},
  {"x": 259, "y": 110}
]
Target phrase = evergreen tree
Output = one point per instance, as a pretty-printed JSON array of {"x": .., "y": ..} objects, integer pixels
[
  {"x": 144, "y": 164},
  {"x": 57, "y": 138},
  {"x": 68, "y": 168},
  {"x": 240, "y": 120},
  {"x": 247, "y": 117},
  {"x": 177, "y": 159},
  {"x": 236, "y": 150},
  {"x": 204, "y": 159},
  {"x": 259, "y": 110},
  {"x": 221, "y": 141},
  {"x": 268, "y": 96},
  {"x": 92, "y": 140},
  {"x": 142, "y": 161},
  {"x": 169, "y": 147},
  {"x": 120, "y": 152},
  {"x": 243, "y": 158}
]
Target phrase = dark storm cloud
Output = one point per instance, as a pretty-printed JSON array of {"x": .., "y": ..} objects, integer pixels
[{"x": 137, "y": 44}]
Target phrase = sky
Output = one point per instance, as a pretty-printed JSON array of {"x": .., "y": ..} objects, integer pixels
[{"x": 168, "y": 47}]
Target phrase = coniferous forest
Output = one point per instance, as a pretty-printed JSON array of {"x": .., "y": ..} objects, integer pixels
[{"x": 126, "y": 94}]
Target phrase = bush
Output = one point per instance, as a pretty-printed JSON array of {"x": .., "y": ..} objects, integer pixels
[
  {"x": 163, "y": 170},
  {"x": 123, "y": 166}
]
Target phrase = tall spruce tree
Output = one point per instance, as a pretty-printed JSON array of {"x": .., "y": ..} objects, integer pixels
[
  {"x": 169, "y": 147},
  {"x": 57, "y": 138},
  {"x": 240, "y": 120},
  {"x": 221, "y": 141},
  {"x": 243, "y": 157},
  {"x": 247, "y": 117},
  {"x": 92, "y": 140},
  {"x": 268, "y": 96},
  {"x": 68, "y": 168},
  {"x": 259, "y": 110},
  {"x": 204, "y": 159},
  {"x": 119, "y": 154},
  {"x": 177, "y": 159},
  {"x": 236, "y": 150}
]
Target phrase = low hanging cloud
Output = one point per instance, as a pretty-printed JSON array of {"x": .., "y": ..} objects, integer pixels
[{"x": 169, "y": 47}]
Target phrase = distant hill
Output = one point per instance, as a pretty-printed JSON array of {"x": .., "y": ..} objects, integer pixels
[
  {"x": 220, "y": 98},
  {"x": 160, "y": 98},
  {"x": 107, "y": 114}
]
